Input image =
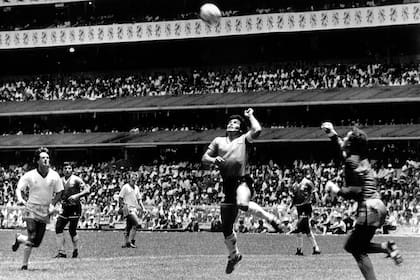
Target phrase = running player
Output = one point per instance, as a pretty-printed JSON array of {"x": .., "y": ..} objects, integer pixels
[
  {"x": 230, "y": 154},
  {"x": 130, "y": 204},
  {"x": 74, "y": 189},
  {"x": 303, "y": 194},
  {"x": 41, "y": 182},
  {"x": 361, "y": 186}
]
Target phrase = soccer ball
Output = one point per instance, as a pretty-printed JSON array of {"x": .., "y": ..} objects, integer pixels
[{"x": 210, "y": 14}]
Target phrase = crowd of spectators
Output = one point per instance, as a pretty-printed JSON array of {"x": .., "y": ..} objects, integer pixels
[
  {"x": 229, "y": 80},
  {"x": 75, "y": 16},
  {"x": 184, "y": 196}
]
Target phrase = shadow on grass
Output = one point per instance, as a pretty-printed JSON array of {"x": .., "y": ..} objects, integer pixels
[{"x": 30, "y": 269}]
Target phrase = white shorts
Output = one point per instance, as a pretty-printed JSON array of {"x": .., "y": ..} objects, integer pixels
[{"x": 36, "y": 212}]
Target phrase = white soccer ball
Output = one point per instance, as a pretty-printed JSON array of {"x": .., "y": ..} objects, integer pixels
[{"x": 210, "y": 14}]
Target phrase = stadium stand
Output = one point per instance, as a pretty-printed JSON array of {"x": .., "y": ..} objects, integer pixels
[
  {"x": 240, "y": 79},
  {"x": 177, "y": 189},
  {"x": 87, "y": 13},
  {"x": 154, "y": 107}
]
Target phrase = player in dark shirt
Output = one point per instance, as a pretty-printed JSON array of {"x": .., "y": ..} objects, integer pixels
[
  {"x": 302, "y": 198},
  {"x": 74, "y": 189},
  {"x": 360, "y": 185}
]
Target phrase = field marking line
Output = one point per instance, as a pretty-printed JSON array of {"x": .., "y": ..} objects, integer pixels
[{"x": 415, "y": 255}]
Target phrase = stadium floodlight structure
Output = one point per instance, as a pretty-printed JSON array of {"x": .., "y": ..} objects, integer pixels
[{"x": 11, "y": 3}]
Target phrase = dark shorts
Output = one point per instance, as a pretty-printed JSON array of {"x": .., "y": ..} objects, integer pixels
[
  {"x": 230, "y": 186},
  {"x": 359, "y": 239},
  {"x": 304, "y": 210},
  {"x": 371, "y": 212},
  {"x": 302, "y": 225},
  {"x": 71, "y": 211},
  {"x": 304, "y": 213},
  {"x": 62, "y": 222}
]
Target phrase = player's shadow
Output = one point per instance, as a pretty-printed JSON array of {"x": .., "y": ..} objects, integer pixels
[
  {"x": 30, "y": 269},
  {"x": 39, "y": 269}
]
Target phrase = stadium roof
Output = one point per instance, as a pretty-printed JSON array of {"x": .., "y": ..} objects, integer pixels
[
  {"x": 150, "y": 139},
  {"x": 213, "y": 101}
]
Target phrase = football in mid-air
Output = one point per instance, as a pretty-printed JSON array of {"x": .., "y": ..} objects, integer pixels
[{"x": 210, "y": 14}]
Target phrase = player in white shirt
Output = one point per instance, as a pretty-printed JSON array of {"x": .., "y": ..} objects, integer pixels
[
  {"x": 42, "y": 184},
  {"x": 130, "y": 207},
  {"x": 230, "y": 154},
  {"x": 74, "y": 189}
]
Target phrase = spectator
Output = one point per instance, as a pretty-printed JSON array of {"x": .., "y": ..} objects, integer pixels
[
  {"x": 261, "y": 228},
  {"x": 349, "y": 222},
  {"x": 338, "y": 227},
  {"x": 242, "y": 228},
  {"x": 193, "y": 226},
  {"x": 390, "y": 224},
  {"x": 239, "y": 79},
  {"x": 179, "y": 199},
  {"x": 216, "y": 224}
]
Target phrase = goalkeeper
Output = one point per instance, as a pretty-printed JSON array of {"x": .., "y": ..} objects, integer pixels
[{"x": 360, "y": 185}]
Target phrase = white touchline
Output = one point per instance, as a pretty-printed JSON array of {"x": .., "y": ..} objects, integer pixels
[{"x": 278, "y": 257}]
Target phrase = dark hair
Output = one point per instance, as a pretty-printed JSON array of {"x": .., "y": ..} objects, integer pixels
[
  {"x": 39, "y": 151},
  {"x": 358, "y": 143},
  {"x": 243, "y": 127}
]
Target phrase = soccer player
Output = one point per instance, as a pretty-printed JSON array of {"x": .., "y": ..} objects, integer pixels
[
  {"x": 41, "y": 183},
  {"x": 130, "y": 204},
  {"x": 361, "y": 186},
  {"x": 230, "y": 154},
  {"x": 74, "y": 189},
  {"x": 303, "y": 194}
]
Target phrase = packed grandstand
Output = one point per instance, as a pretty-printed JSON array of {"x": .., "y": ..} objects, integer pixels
[
  {"x": 180, "y": 192},
  {"x": 153, "y": 107}
]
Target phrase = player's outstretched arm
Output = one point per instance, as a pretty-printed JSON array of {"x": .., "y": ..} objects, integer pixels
[
  {"x": 22, "y": 185},
  {"x": 255, "y": 124},
  {"x": 328, "y": 128}
]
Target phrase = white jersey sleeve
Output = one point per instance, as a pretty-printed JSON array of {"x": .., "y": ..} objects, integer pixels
[
  {"x": 213, "y": 147},
  {"x": 248, "y": 136},
  {"x": 23, "y": 183},
  {"x": 122, "y": 192}
]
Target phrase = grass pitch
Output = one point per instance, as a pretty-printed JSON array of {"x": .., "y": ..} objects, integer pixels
[{"x": 162, "y": 255}]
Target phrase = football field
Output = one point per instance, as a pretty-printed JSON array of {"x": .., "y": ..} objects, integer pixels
[{"x": 163, "y": 255}]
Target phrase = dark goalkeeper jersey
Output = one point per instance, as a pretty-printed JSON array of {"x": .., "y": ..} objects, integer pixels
[{"x": 360, "y": 174}]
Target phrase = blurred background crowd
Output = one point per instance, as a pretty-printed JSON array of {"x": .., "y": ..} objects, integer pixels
[
  {"x": 184, "y": 196},
  {"x": 240, "y": 79}
]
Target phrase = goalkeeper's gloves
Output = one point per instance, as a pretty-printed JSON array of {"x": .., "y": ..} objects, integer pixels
[{"x": 328, "y": 128}]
